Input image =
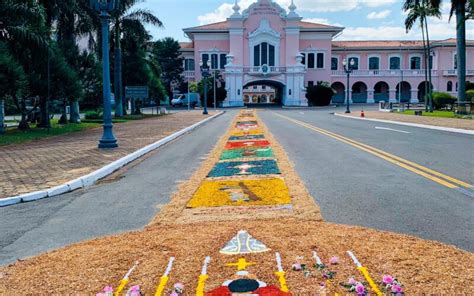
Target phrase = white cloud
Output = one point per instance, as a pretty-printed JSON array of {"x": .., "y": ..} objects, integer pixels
[
  {"x": 378, "y": 15},
  {"x": 225, "y": 9}
]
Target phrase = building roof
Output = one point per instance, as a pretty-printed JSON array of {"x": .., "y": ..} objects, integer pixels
[
  {"x": 186, "y": 45},
  {"x": 370, "y": 44},
  {"x": 224, "y": 26}
]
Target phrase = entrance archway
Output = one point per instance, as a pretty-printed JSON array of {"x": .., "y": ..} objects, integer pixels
[
  {"x": 263, "y": 92},
  {"x": 422, "y": 87},
  {"x": 359, "y": 92},
  {"x": 381, "y": 92},
  {"x": 340, "y": 95},
  {"x": 406, "y": 92}
]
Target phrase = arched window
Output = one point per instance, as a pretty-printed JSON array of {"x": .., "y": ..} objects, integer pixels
[
  {"x": 455, "y": 61},
  {"x": 449, "y": 87},
  {"x": 374, "y": 63},
  {"x": 264, "y": 54},
  {"x": 415, "y": 63},
  {"x": 334, "y": 63},
  {"x": 395, "y": 63}
]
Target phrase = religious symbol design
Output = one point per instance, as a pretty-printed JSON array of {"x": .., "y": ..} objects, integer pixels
[{"x": 243, "y": 243}]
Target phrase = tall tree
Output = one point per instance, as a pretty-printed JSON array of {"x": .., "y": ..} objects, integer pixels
[
  {"x": 167, "y": 53},
  {"x": 421, "y": 10},
  {"x": 124, "y": 19},
  {"x": 463, "y": 10}
]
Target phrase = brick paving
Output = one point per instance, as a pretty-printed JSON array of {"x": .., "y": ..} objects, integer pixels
[
  {"x": 436, "y": 121},
  {"x": 46, "y": 163}
]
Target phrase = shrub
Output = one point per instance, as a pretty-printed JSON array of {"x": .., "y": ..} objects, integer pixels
[
  {"x": 470, "y": 95},
  {"x": 95, "y": 114},
  {"x": 319, "y": 94},
  {"x": 441, "y": 100}
]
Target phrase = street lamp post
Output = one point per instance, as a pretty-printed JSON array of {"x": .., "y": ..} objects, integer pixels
[
  {"x": 104, "y": 7},
  {"x": 348, "y": 69},
  {"x": 205, "y": 74}
]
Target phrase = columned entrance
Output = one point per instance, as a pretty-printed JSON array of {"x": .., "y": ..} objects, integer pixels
[{"x": 263, "y": 92}]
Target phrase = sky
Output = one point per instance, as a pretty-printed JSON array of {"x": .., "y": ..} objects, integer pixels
[{"x": 362, "y": 19}]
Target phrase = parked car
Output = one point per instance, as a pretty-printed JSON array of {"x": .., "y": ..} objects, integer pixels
[{"x": 182, "y": 100}]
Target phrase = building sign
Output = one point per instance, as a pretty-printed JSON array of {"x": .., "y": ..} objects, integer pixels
[
  {"x": 265, "y": 9},
  {"x": 136, "y": 92}
]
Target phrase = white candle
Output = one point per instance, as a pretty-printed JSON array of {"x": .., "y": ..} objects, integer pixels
[
  {"x": 353, "y": 257},
  {"x": 204, "y": 267},
  {"x": 278, "y": 259},
  {"x": 131, "y": 270},
  {"x": 168, "y": 268}
]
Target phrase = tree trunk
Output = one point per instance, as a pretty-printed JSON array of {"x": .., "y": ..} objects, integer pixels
[
  {"x": 428, "y": 67},
  {"x": 75, "y": 114},
  {"x": 2, "y": 116},
  {"x": 461, "y": 52},
  {"x": 118, "y": 73},
  {"x": 426, "y": 72},
  {"x": 45, "y": 121},
  {"x": 63, "y": 119},
  {"x": 23, "y": 125}
]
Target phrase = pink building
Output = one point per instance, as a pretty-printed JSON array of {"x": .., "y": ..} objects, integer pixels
[{"x": 266, "y": 45}]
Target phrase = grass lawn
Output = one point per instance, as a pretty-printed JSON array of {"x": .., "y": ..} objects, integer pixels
[
  {"x": 15, "y": 136},
  {"x": 444, "y": 114}
]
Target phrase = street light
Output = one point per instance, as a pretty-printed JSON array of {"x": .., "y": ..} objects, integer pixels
[
  {"x": 348, "y": 70},
  {"x": 205, "y": 74},
  {"x": 104, "y": 7}
]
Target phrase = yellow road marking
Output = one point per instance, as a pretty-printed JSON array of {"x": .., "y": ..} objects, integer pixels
[{"x": 406, "y": 164}]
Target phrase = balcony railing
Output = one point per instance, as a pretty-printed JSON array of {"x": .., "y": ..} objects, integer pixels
[
  {"x": 455, "y": 72},
  {"x": 259, "y": 70},
  {"x": 385, "y": 73},
  {"x": 189, "y": 74}
]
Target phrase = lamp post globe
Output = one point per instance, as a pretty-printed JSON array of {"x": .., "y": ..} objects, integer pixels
[
  {"x": 348, "y": 69},
  {"x": 205, "y": 74},
  {"x": 105, "y": 7}
]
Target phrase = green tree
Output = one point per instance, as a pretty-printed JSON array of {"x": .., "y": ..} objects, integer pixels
[
  {"x": 126, "y": 20},
  {"x": 167, "y": 52},
  {"x": 214, "y": 80},
  {"x": 420, "y": 10},
  {"x": 463, "y": 9}
]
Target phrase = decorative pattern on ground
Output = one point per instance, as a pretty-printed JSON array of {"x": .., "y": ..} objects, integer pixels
[
  {"x": 246, "y": 153},
  {"x": 241, "y": 193},
  {"x": 243, "y": 181}
]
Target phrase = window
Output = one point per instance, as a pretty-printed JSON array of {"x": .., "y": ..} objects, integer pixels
[
  {"x": 264, "y": 54},
  {"x": 334, "y": 64},
  {"x": 449, "y": 87},
  {"x": 395, "y": 63},
  {"x": 223, "y": 60},
  {"x": 310, "y": 83},
  {"x": 455, "y": 61},
  {"x": 431, "y": 62},
  {"x": 374, "y": 63},
  {"x": 311, "y": 60},
  {"x": 320, "y": 60},
  {"x": 415, "y": 63},
  {"x": 356, "y": 63},
  {"x": 254, "y": 87},
  {"x": 189, "y": 65},
  {"x": 264, "y": 87},
  {"x": 303, "y": 61},
  {"x": 205, "y": 59},
  {"x": 214, "y": 62}
]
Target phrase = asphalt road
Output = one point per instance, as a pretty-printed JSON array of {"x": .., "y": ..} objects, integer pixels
[
  {"x": 109, "y": 207},
  {"x": 350, "y": 185},
  {"x": 355, "y": 187}
]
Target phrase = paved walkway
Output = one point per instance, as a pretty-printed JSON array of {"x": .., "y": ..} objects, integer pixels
[
  {"x": 50, "y": 162},
  {"x": 436, "y": 121}
]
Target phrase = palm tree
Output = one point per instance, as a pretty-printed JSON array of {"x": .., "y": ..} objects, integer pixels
[
  {"x": 421, "y": 10},
  {"x": 463, "y": 10},
  {"x": 124, "y": 19}
]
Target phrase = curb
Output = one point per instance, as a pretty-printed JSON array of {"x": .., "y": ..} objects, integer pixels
[
  {"x": 433, "y": 127},
  {"x": 91, "y": 178}
]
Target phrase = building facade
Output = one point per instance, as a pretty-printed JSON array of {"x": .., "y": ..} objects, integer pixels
[{"x": 267, "y": 45}]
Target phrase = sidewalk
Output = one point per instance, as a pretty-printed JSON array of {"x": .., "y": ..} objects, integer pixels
[
  {"x": 436, "y": 121},
  {"x": 46, "y": 163}
]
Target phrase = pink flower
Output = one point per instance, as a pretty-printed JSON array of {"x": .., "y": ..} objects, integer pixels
[
  {"x": 174, "y": 293},
  {"x": 334, "y": 260},
  {"x": 397, "y": 289},
  {"x": 134, "y": 291},
  {"x": 108, "y": 289},
  {"x": 360, "y": 288},
  {"x": 352, "y": 281},
  {"x": 387, "y": 279},
  {"x": 297, "y": 266}
]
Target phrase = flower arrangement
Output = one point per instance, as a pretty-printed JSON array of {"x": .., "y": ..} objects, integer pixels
[
  {"x": 391, "y": 285},
  {"x": 108, "y": 291},
  {"x": 247, "y": 144},
  {"x": 247, "y": 153},
  {"x": 298, "y": 266},
  {"x": 353, "y": 286},
  {"x": 246, "y": 137},
  {"x": 178, "y": 289},
  {"x": 134, "y": 291},
  {"x": 239, "y": 132},
  {"x": 245, "y": 168}
]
